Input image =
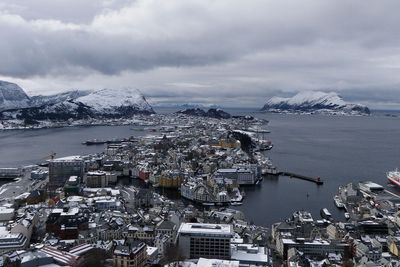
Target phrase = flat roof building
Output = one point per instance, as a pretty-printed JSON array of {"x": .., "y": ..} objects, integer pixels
[
  {"x": 61, "y": 169},
  {"x": 205, "y": 240}
]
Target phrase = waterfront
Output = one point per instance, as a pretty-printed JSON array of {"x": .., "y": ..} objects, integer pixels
[{"x": 339, "y": 149}]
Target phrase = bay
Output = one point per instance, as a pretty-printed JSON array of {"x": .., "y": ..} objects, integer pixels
[{"x": 339, "y": 149}]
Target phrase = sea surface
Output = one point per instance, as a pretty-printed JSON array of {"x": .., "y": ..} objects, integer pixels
[{"x": 339, "y": 149}]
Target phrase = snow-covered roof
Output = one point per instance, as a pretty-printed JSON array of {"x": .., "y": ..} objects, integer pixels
[{"x": 206, "y": 228}]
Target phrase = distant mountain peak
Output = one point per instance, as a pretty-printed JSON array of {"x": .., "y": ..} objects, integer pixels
[
  {"x": 106, "y": 100},
  {"x": 211, "y": 113},
  {"x": 12, "y": 96},
  {"x": 314, "y": 101}
]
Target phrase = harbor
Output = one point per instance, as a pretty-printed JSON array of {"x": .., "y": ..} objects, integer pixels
[{"x": 210, "y": 175}]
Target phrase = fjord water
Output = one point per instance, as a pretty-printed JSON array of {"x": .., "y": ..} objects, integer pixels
[{"x": 338, "y": 149}]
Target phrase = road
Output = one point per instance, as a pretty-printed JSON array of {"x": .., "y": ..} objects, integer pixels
[{"x": 9, "y": 191}]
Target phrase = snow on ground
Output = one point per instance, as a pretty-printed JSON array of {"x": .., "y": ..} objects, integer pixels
[
  {"x": 106, "y": 99},
  {"x": 311, "y": 98}
]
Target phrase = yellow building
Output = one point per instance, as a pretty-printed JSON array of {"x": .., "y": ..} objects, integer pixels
[
  {"x": 229, "y": 143},
  {"x": 394, "y": 248},
  {"x": 171, "y": 180}
]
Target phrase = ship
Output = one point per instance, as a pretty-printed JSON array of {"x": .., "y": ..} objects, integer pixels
[
  {"x": 94, "y": 142},
  {"x": 394, "y": 177},
  {"x": 325, "y": 214},
  {"x": 338, "y": 202}
]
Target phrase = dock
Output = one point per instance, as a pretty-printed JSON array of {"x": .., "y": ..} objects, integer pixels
[{"x": 317, "y": 180}]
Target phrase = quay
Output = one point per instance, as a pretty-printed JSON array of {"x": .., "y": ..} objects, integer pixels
[{"x": 317, "y": 180}]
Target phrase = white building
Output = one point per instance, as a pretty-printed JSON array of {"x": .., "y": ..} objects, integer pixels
[
  {"x": 62, "y": 168},
  {"x": 239, "y": 175},
  {"x": 6, "y": 214},
  {"x": 214, "y": 262},
  {"x": 250, "y": 254},
  {"x": 212, "y": 241}
]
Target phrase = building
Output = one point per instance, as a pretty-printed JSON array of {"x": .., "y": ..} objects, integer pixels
[
  {"x": 313, "y": 248},
  {"x": 132, "y": 255},
  {"x": 60, "y": 257},
  {"x": 241, "y": 176},
  {"x": 250, "y": 254},
  {"x": 61, "y": 169},
  {"x": 72, "y": 186},
  {"x": 98, "y": 179},
  {"x": 6, "y": 214},
  {"x": 106, "y": 203},
  {"x": 226, "y": 143},
  {"x": 171, "y": 179},
  {"x": 167, "y": 228},
  {"x": 12, "y": 241},
  {"x": 67, "y": 222},
  {"x": 39, "y": 174},
  {"x": 10, "y": 172},
  {"x": 214, "y": 262},
  {"x": 144, "y": 198},
  {"x": 212, "y": 241}
]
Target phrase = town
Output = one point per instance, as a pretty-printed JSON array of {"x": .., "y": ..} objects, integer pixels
[{"x": 168, "y": 199}]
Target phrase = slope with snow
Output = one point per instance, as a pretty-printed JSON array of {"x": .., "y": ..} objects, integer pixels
[
  {"x": 115, "y": 100},
  {"x": 12, "y": 96},
  {"x": 314, "y": 101},
  {"x": 41, "y": 100},
  {"x": 71, "y": 105}
]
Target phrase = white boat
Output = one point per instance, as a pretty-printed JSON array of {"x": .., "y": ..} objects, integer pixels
[
  {"x": 347, "y": 215},
  {"x": 338, "y": 202},
  {"x": 325, "y": 214},
  {"x": 394, "y": 177},
  {"x": 236, "y": 203}
]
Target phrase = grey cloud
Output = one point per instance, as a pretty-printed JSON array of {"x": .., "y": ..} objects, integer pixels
[{"x": 249, "y": 50}]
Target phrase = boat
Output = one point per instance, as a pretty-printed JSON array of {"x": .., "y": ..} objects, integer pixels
[
  {"x": 338, "y": 202},
  {"x": 347, "y": 215},
  {"x": 94, "y": 142},
  {"x": 325, "y": 214},
  {"x": 265, "y": 145},
  {"x": 236, "y": 203},
  {"x": 394, "y": 177}
]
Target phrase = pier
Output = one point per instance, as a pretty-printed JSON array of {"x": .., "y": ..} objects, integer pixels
[{"x": 317, "y": 180}]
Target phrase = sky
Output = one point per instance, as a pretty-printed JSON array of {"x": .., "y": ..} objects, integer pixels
[{"x": 224, "y": 52}]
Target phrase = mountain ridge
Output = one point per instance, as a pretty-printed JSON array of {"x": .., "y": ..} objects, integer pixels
[
  {"x": 314, "y": 102},
  {"x": 12, "y": 96},
  {"x": 72, "y": 105}
]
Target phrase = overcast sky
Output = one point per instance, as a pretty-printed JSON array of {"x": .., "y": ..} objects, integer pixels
[{"x": 228, "y": 52}]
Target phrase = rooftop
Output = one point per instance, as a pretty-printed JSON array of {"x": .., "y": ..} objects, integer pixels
[
  {"x": 69, "y": 158},
  {"x": 206, "y": 228},
  {"x": 217, "y": 263}
]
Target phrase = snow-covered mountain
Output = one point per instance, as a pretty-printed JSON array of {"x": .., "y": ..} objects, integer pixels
[
  {"x": 185, "y": 105},
  {"x": 314, "y": 101},
  {"x": 70, "y": 105},
  {"x": 12, "y": 96},
  {"x": 116, "y": 100},
  {"x": 41, "y": 100}
]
